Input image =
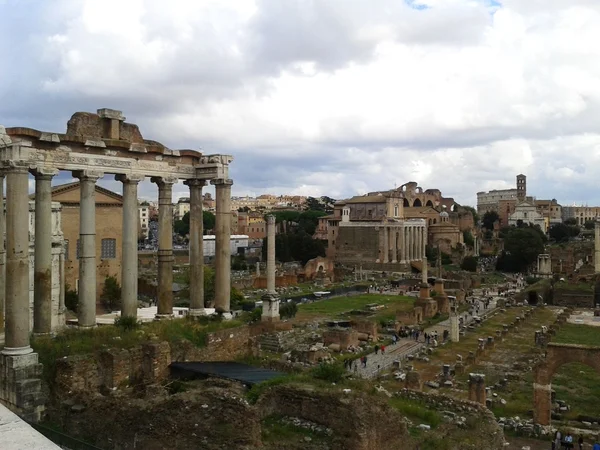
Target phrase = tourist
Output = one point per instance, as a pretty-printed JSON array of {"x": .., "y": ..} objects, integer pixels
[
  {"x": 377, "y": 349},
  {"x": 597, "y": 445},
  {"x": 558, "y": 440},
  {"x": 356, "y": 366},
  {"x": 364, "y": 361},
  {"x": 580, "y": 442},
  {"x": 568, "y": 441},
  {"x": 382, "y": 349}
]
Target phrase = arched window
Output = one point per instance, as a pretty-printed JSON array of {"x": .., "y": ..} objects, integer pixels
[
  {"x": 109, "y": 249},
  {"x": 417, "y": 202},
  {"x": 429, "y": 203},
  {"x": 406, "y": 204},
  {"x": 396, "y": 211}
]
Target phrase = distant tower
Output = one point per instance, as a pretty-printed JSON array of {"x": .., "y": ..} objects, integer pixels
[{"x": 521, "y": 187}]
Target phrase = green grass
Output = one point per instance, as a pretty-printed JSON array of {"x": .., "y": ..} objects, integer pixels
[
  {"x": 572, "y": 333},
  {"x": 338, "y": 305},
  {"x": 569, "y": 286},
  {"x": 416, "y": 411}
]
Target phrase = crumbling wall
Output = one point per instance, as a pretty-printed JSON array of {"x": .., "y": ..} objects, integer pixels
[{"x": 358, "y": 421}]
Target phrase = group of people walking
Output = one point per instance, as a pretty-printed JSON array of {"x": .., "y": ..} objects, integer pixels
[{"x": 566, "y": 442}]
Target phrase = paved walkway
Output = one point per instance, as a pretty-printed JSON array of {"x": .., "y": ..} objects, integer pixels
[
  {"x": 405, "y": 347},
  {"x": 381, "y": 361}
]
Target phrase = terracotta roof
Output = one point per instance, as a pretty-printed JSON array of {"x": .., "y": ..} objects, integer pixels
[{"x": 368, "y": 199}]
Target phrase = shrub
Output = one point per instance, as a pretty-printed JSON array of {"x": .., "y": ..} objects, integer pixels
[
  {"x": 532, "y": 280},
  {"x": 469, "y": 264},
  {"x": 288, "y": 310},
  {"x": 111, "y": 294},
  {"x": 127, "y": 323},
  {"x": 334, "y": 373},
  {"x": 71, "y": 298}
]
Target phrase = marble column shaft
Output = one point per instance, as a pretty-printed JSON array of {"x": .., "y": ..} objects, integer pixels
[
  {"x": 271, "y": 254},
  {"x": 2, "y": 253},
  {"x": 17, "y": 262},
  {"x": 165, "y": 245},
  {"x": 223, "y": 245},
  {"x": 403, "y": 254},
  {"x": 386, "y": 245},
  {"x": 42, "y": 275},
  {"x": 196, "y": 247},
  {"x": 129, "y": 249},
  {"x": 87, "y": 248},
  {"x": 394, "y": 239}
]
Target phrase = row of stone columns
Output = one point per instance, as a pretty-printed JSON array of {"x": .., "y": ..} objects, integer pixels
[
  {"x": 405, "y": 242},
  {"x": 14, "y": 274}
]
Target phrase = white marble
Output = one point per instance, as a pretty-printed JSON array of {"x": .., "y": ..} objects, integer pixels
[{"x": 16, "y": 434}]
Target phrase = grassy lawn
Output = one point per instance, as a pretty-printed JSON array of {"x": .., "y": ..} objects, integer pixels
[
  {"x": 571, "y": 333},
  {"x": 334, "y": 307}
]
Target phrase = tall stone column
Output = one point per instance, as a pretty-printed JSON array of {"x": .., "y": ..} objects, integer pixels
[
  {"x": 454, "y": 328},
  {"x": 386, "y": 245},
  {"x": 2, "y": 253},
  {"x": 17, "y": 261},
  {"x": 270, "y": 306},
  {"x": 223, "y": 246},
  {"x": 129, "y": 249},
  {"x": 419, "y": 243},
  {"x": 165, "y": 245},
  {"x": 424, "y": 249},
  {"x": 87, "y": 247},
  {"x": 424, "y": 275},
  {"x": 61, "y": 278},
  {"x": 196, "y": 247},
  {"x": 403, "y": 252},
  {"x": 42, "y": 275},
  {"x": 394, "y": 236},
  {"x": 597, "y": 247}
]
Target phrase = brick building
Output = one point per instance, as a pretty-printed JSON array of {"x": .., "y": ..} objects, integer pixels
[{"x": 109, "y": 220}]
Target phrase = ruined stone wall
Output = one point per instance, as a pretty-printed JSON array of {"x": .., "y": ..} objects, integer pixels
[
  {"x": 573, "y": 298},
  {"x": 567, "y": 257},
  {"x": 358, "y": 421},
  {"x": 481, "y": 427},
  {"x": 149, "y": 363}
]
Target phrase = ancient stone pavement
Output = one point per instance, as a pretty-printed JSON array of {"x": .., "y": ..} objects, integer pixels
[{"x": 405, "y": 347}]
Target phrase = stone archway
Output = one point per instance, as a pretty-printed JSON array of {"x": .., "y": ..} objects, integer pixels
[
  {"x": 429, "y": 203},
  {"x": 417, "y": 202},
  {"x": 556, "y": 356},
  {"x": 406, "y": 203}
]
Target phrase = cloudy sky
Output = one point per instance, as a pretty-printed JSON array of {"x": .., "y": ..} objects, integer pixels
[{"x": 327, "y": 97}]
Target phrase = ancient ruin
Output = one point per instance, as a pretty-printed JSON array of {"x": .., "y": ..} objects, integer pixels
[{"x": 95, "y": 145}]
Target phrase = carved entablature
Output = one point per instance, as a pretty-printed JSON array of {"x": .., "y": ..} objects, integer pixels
[{"x": 104, "y": 142}]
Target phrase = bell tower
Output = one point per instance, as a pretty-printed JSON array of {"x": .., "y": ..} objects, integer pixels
[{"x": 521, "y": 187}]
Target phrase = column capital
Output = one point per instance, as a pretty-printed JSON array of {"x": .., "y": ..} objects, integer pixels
[
  {"x": 92, "y": 175},
  {"x": 270, "y": 219},
  {"x": 43, "y": 173},
  {"x": 14, "y": 166},
  {"x": 221, "y": 182},
  {"x": 168, "y": 180},
  {"x": 130, "y": 178},
  {"x": 196, "y": 182}
]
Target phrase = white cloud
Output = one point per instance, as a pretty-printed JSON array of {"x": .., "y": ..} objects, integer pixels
[{"x": 333, "y": 98}]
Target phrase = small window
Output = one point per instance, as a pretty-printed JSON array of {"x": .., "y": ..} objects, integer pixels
[
  {"x": 66, "y": 250},
  {"x": 109, "y": 248},
  {"x": 78, "y": 252}
]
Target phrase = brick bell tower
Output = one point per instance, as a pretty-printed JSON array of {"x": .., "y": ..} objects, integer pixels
[{"x": 521, "y": 187}]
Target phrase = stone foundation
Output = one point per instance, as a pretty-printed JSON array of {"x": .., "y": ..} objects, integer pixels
[{"x": 21, "y": 385}]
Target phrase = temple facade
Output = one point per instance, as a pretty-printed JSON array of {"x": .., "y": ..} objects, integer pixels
[
  {"x": 95, "y": 145},
  {"x": 393, "y": 227}
]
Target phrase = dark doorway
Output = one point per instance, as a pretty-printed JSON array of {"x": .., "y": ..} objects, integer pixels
[{"x": 533, "y": 298}]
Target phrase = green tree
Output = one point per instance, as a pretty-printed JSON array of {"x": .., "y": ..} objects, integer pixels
[
  {"x": 589, "y": 224},
  {"x": 182, "y": 227},
  {"x": 236, "y": 298},
  {"x": 468, "y": 239},
  {"x": 570, "y": 221},
  {"x": 521, "y": 248},
  {"x": 315, "y": 204},
  {"x": 111, "y": 294},
  {"x": 489, "y": 218},
  {"x": 469, "y": 264},
  {"x": 561, "y": 232},
  {"x": 296, "y": 246}
]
